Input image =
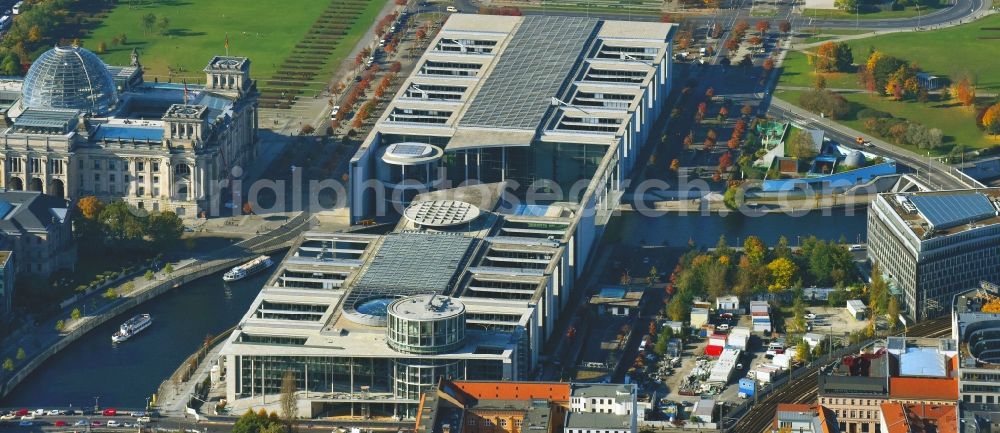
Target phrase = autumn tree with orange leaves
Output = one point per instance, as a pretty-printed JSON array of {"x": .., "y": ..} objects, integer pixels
[
  {"x": 965, "y": 92},
  {"x": 90, "y": 207},
  {"x": 991, "y": 119}
]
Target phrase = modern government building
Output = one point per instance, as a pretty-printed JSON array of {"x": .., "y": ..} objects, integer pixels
[
  {"x": 76, "y": 127},
  {"x": 470, "y": 281},
  {"x": 934, "y": 245}
]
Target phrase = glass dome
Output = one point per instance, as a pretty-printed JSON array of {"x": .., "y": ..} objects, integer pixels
[{"x": 70, "y": 77}]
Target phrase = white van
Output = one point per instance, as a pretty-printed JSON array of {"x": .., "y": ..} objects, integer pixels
[
  {"x": 451, "y": 9},
  {"x": 17, "y": 7}
]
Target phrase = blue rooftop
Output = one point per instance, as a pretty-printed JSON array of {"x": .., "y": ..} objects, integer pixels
[
  {"x": 922, "y": 361},
  {"x": 5, "y": 208},
  {"x": 117, "y": 132},
  {"x": 949, "y": 210},
  {"x": 612, "y": 292}
]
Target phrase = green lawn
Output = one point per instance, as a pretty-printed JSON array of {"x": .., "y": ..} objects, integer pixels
[
  {"x": 836, "y": 14},
  {"x": 262, "y": 30},
  {"x": 958, "y": 123},
  {"x": 945, "y": 52},
  {"x": 796, "y": 71}
]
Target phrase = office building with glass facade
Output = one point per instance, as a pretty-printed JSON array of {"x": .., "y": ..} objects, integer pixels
[
  {"x": 461, "y": 288},
  {"x": 559, "y": 108},
  {"x": 934, "y": 245}
]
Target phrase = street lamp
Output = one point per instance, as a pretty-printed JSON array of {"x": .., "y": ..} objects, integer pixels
[{"x": 97, "y": 407}]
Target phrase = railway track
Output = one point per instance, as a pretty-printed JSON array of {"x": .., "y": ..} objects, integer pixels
[{"x": 804, "y": 387}]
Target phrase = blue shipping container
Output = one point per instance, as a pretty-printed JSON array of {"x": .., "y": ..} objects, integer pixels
[{"x": 748, "y": 386}]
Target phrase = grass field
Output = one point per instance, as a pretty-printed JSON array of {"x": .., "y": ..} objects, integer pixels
[
  {"x": 946, "y": 52},
  {"x": 265, "y": 31},
  {"x": 836, "y": 14},
  {"x": 957, "y": 122},
  {"x": 796, "y": 71}
]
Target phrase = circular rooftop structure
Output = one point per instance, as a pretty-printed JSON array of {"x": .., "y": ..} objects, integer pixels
[
  {"x": 70, "y": 78},
  {"x": 411, "y": 153},
  {"x": 854, "y": 159},
  {"x": 441, "y": 213},
  {"x": 424, "y": 324},
  {"x": 369, "y": 311},
  {"x": 983, "y": 339}
]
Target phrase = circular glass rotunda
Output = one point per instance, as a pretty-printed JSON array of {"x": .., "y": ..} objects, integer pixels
[{"x": 71, "y": 78}]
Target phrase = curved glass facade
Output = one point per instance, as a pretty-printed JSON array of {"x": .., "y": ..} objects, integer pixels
[
  {"x": 413, "y": 377},
  {"x": 426, "y": 336},
  {"x": 70, "y": 77}
]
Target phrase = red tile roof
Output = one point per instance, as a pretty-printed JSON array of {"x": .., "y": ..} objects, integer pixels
[
  {"x": 923, "y": 388},
  {"x": 919, "y": 418}
]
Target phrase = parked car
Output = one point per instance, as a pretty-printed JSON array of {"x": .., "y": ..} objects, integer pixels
[
  {"x": 80, "y": 423},
  {"x": 21, "y": 412},
  {"x": 143, "y": 420},
  {"x": 60, "y": 423},
  {"x": 28, "y": 416},
  {"x": 333, "y": 113},
  {"x": 451, "y": 9},
  {"x": 55, "y": 412},
  {"x": 39, "y": 412},
  {"x": 26, "y": 423},
  {"x": 113, "y": 423},
  {"x": 96, "y": 424},
  {"x": 110, "y": 412},
  {"x": 8, "y": 416}
]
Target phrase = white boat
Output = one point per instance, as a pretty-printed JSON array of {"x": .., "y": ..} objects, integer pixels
[
  {"x": 131, "y": 327},
  {"x": 247, "y": 269}
]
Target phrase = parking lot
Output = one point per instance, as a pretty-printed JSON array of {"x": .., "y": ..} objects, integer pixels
[{"x": 835, "y": 323}]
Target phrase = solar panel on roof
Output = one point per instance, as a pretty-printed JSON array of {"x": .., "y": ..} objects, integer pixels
[
  {"x": 409, "y": 264},
  {"x": 409, "y": 150},
  {"x": 531, "y": 70},
  {"x": 949, "y": 210}
]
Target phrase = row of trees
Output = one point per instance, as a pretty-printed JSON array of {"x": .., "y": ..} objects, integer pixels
[
  {"x": 905, "y": 132},
  {"x": 124, "y": 227},
  {"x": 757, "y": 269}
]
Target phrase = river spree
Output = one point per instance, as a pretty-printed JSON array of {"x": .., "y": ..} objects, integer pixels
[{"x": 124, "y": 375}]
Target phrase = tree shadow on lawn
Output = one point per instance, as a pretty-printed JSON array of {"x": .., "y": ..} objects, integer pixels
[
  {"x": 183, "y": 33},
  {"x": 158, "y": 4}
]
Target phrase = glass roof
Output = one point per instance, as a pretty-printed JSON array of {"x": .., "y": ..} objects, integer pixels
[
  {"x": 943, "y": 211},
  {"x": 70, "y": 77},
  {"x": 532, "y": 69}
]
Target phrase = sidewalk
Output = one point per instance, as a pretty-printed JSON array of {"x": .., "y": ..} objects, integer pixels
[
  {"x": 178, "y": 396},
  {"x": 982, "y": 12}
]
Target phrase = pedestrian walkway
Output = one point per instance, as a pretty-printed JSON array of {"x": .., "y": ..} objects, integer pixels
[{"x": 173, "y": 398}]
